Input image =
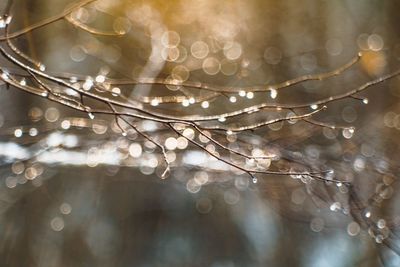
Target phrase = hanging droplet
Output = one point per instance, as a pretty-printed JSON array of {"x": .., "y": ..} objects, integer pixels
[
  {"x": 100, "y": 78},
  {"x": 273, "y": 93},
  {"x": 348, "y": 132},
  {"x": 185, "y": 103},
  {"x": 255, "y": 180},
  {"x": 2, "y": 23},
  {"x": 4, "y": 75},
  {"x": 250, "y": 95},
  {"x": 91, "y": 116},
  {"x": 42, "y": 67},
  {"x": 314, "y": 107},
  {"x": 205, "y": 104},
  {"x": 379, "y": 239},
  {"x": 335, "y": 206},
  {"x": 154, "y": 102},
  {"x": 381, "y": 224},
  {"x": 115, "y": 91},
  {"x": 18, "y": 133},
  {"x": 365, "y": 101},
  {"x": 8, "y": 20},
  {"x": 87, "y": 85}
]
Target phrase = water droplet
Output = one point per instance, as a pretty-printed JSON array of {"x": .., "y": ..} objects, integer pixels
[
  {"x": 91, "y": 116},
  {"x": 18, "y": 133},
  {"x": 353, "y": 228},
  {"x": 4, "y": 75},
  {"x": 222, "y": 119},
  {"x": 379, "y": 239},
  {"x": 335, "y": 206},
  {"x": 87, "y": 85},
  {"x": 8, "y": 20},
  {"x": 65, "y": 208},
  {"x": 185, "y": 103},
  {"x": 116, "y": 91},
  {"x": 57, "y": 224},
  {"x": 348, "y": 133},
  {"x": 365, "y": 101},
  {"x": 255, "y": 180},
  {"x": 33, "y": 132},
  {"x": 381, "y": 224},
  {"x": 154, "y": 102},
  {"x": 205, "y": 104},
  {"x": 273, "y": 93},
  {"x": 232, "y": 99},
  {"x": 314, "y": 107},
  {"x": 250, "y": 95},
  {"x": 100, "y": 78}
]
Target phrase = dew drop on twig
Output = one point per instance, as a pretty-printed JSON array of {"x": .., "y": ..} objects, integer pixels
[{"x": 273, "y": 93}]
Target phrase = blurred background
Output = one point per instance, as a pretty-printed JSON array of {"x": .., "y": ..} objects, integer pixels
[{"x": 74, "y": 192}]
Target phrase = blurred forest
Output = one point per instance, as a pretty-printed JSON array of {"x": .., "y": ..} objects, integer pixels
[{"x": 83, "y": 185}]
